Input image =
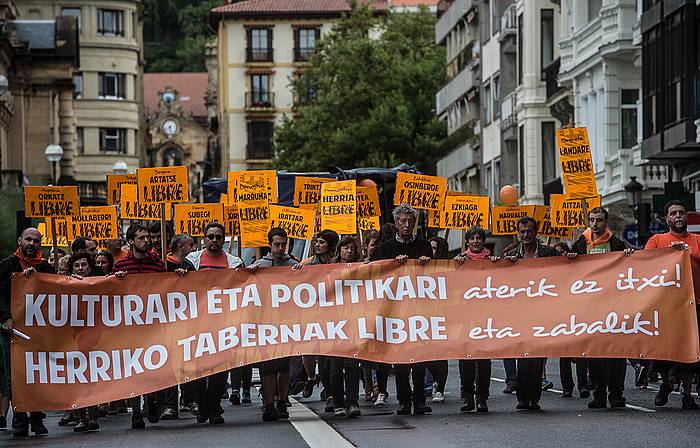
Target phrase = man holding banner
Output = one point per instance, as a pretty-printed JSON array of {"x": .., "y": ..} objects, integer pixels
[
  {"x": 406, "y": 245},
  {"x": 27, "y": 258}
]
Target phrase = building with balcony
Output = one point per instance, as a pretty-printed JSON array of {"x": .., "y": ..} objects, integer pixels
[{"x": 107, "y": 88}]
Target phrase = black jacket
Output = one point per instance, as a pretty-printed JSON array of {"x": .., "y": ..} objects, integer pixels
[
  {"x": 541, "y": 251},
  {"x": 391, "y": 249},
  {"x": 8, "y": 266},
  {"x": 581, "y": 247}
]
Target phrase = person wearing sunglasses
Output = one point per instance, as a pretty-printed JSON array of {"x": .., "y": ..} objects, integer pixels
[{"x": 210, "y": 390}]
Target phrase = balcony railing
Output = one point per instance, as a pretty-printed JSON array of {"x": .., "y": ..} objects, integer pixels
[
  {"x": 259, "y": 100},
  {"x": 508, "y": 117},
  {"x": 303, "y": 54},
  {"x": 551, "y": 73},
  {"x": 260, "y": 151},
  {"x": 259, "y": 54},
  {"x": 509, "y": 21}
]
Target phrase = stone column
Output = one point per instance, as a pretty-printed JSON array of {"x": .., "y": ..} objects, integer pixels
[{"x": 67, "y": 133}]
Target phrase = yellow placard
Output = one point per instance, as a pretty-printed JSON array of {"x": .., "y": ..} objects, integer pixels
[
  {"x": 368, "y": 202},
  {"x": 48, "y": 202},
  {"x": 95, "y": 223},
  {"x": 298, "y": 222},
  {"x": 420, "y": 191},
  {"x": 168, "y": 184},
  {"x": 193, "y": 218},
  {"x": 224, "y": 199},
  {"x": 254, "y": 217},
  {"x": 252, "y": 181},
  {"x": 232, "y": 223},
  {"x": 131, "y": 208},
  {"x": 545, "y": 227},
  {"x": 576, "y": 162},
  {"x": 371, "y": 223},
  {"x": 114, "y": 182},
  {"x": 338, "y": 207},
  {"x": 568, "y": 212},
  {"x": 504, "y": 220},
  {"x": 61, "y": 230},
  {"x": 307, "y": 191},
  {"x": 464, "y": 212}
]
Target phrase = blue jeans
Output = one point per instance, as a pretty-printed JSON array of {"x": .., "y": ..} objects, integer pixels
[{"x": 511, "y": 371}]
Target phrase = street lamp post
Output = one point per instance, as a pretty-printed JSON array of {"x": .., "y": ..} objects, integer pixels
[{"x": 54, "y": 154}]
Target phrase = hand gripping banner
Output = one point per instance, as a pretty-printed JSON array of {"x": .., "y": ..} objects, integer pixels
[{"x": 97, "y": 340}]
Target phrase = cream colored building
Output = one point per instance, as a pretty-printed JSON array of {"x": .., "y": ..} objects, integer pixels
[{"x": 108, "y": 87}]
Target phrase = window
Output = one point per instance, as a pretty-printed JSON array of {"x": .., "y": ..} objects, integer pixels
[
  {"x": 72, "y": 12},
  {"x": 496, "y": 176},
  {"x": 305, "y": 43},
  {"x": 487, "y": 20},
  {"x": 78, "y": 83},
  {"x": 547, "y": 42},
  {"x": 628, "y": 118},
  {"x": 112, "y": 140},
  {"x": 488, "y": 103},
  {"x": 549, "y": 156},
  {"x": 80, "y": 140},
  {"x": 496, "y": 87},
  {"x": 109, "y": 22},
  {"x": 307, "y": 91},
  {"x": 260, "y": 140},
  {"x": 260, "y": 90},
  {"x": 111, "y": 85},
  {"x": 521, "y": 160},
  {"x": 594, "y": 9},
  {"x": 521, "y": 55},
  {"x": 260, "y": 44},
  {"x": 488, "y": 180}
]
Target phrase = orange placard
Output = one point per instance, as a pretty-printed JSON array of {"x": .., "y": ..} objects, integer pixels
[
  {"x": 48, "y": 202},
  {"x": 368, "y": 202},
  {"x": 193, "y": 218},
  {"x": 168, "y": 184},
  {"x": 253, "y": 180},
  {"x": 338, "y": 207},
  {"x": 254, "y": 218},
  {"x": 224, "y": 199},
  {"x": 95, "y": 223},
  {"x": 371, "y": 223},
  {"x": 576, "y": 163},
  {"x": 232, "y": 224},
  {"x": 84, "y": 351},
  {"x": 131, "y": 208},
  {"x": 298, "y": 222},
  {"x": 464, "y": 212},
  {"x": 114, "y": 182},
  {"x": 307, "y": 191},
  {"x": 504, "y": 220},
  {"x": 61, "y": 230},
  {"x": 568, "y": 212},
  {"x": 420, "y": 191},
  {"x": 544, "y": 224}
]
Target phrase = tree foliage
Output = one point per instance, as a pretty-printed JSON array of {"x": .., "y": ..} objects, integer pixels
[
  {"x": 375, "y": 81},
  {"x": 175, "y": 34}
]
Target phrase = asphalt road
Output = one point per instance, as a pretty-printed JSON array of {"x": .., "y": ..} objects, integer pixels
[{"x": 562, "y": 422}]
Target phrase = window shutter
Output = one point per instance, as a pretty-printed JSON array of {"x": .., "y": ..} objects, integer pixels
[
  {"x": 317, "y": 33},
  {"x": 122, "y": 86},
  {"x": 101, "y": 84},
  {"x": 269, "y": 42}
]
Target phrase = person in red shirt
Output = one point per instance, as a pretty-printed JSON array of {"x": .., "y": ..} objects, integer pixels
[{"x": 678, "y": 237}]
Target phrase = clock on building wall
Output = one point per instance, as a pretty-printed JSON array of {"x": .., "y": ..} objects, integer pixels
[{"x": 170, "y": 127}]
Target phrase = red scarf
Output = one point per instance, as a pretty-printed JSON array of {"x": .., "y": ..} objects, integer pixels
[
  {"x": 483, "y": 255},
  {"x": 29, "y": 262},
  {"x": 174, "y": 258}
]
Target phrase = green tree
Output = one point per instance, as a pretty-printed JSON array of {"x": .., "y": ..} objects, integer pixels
[{"x": 374, "y": 82}]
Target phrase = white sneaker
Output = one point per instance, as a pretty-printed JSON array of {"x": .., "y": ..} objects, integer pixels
[
  {"x": 438, "y": 397},
  {"x": 339, "y": 412},
  {"x": 381, "y": 400}
]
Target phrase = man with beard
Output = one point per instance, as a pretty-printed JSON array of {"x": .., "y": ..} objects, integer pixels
[
  {"x": 404, "y": 246},
  {"x": 27, "y": 258},
  {"x": 678, "y": 237}
]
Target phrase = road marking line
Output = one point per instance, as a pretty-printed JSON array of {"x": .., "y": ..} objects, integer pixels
[
  {"x": 656, "y": 389},
  {"x": 639, "y": 408},
  {"x": 315, "y": 432}
]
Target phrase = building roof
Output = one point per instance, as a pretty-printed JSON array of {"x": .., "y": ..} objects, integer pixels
[
  {"x": 290, "y": 7},
  {"x": 191, "y": 89},
  {"x": 412, "y": 3}
]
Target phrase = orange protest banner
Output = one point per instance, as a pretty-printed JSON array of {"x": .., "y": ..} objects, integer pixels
[
  {"x": 193, "y": 218},
  {"x": 232, "y": 223},
  {"x": 464, "y": 212},
  {"x": 298, "y": 222},
  {"x": 167, "y": 184},
  {"x": 95, "y": 223},
  {"x": 420, "y": 191},
  {"x": 544, "y": 224},
  {"x": 61, "y": 230},
  {"x": 307, "y": 191},
  {"x": 576, "y": 162},
  {"x": 338, "y": 207},
  {"x": 114, "y": 182},
  {"x": 253, "y": 180},
  {"x": 568, "y": 212},
  {"x": 131, "y": 208},
  {"x": 47, "y": 202},
  {"x": 504, "y": 220},
  {"x": 97, "y": 340},
  {"x": 371, "y": 223},
  {"x": 368, "y": 202}
]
